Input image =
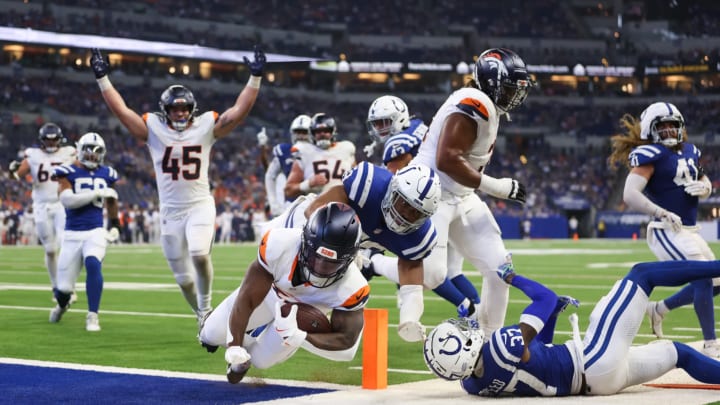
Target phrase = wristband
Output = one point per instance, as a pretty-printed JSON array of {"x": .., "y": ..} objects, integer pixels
[
  {"x": 115, "y": 223},
  {"x": 104, "y": 83},
  {"x": 254, "y": 81},
  {"x": 305, "y": 186}
]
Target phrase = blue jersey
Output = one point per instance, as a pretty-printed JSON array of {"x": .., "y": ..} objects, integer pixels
[
  {"x": 365, "y": 186},
  {"x": 548, "y": 373},
  {"x": 673, "y": 170},
  {"x": 89, "y": 216},
  {"x": 407, "y": 141},
  {"x": 282, "y": 153}
]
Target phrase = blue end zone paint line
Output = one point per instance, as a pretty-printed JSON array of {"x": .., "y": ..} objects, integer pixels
[{"x": 20, "y": 384}]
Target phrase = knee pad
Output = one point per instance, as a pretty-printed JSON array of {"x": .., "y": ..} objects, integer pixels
[{"x": 181, "y": 272}]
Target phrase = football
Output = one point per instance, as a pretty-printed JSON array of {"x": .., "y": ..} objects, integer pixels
[{"x": 309, "y": 318}]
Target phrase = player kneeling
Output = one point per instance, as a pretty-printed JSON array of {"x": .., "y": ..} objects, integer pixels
[{"x": 270, "y": 316}]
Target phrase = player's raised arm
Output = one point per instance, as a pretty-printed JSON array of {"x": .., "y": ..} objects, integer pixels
[
  {"x": 115, "y": 102},
  {"x": 234, "y": 115}
]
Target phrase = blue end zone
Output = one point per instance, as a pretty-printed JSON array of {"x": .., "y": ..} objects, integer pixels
[{"x": 48, "y": 385}]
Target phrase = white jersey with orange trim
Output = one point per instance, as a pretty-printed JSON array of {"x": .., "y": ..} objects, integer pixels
[
  {"x": 181, "y": 158},
  {"x": 478, "y": 106},
  {"x": 42, "y": 164},
  {"x": 278, "y": 254},
  {"x": 333, "y": 162}
]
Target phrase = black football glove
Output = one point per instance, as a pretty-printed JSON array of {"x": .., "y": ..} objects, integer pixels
[
  {"x": 99, "y": 65},
  {"x": 258, "y": 64},
  {"x": 517, "y": 192}
]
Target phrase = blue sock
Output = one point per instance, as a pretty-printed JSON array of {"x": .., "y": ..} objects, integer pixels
[
  {"x": 699, "y": 366},
  {"x": 685, "y": 297},
  {"x": 448, "y": 291},
  {"x": 671, "y": 273},
  {"x": 703, "y": 304},
  {"x": 93, "y": 282},
  {"x": 680, "y": 298},
  {"x": 467, "y": 288}
]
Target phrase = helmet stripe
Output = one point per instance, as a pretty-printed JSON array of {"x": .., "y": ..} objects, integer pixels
[
  {"x": 670, "y": 111},
  {"x": 428, "y": 184}
]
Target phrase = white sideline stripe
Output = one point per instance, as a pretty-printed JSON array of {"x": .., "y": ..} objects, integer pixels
[
  {"x": 171, "y": 374},
  {"x": 103, "y": 312}
]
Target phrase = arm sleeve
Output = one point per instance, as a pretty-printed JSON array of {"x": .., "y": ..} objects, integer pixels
[
  {"x": 634, "y": 197},
  {"x": 72, "y": 200},
  {"x": 543, "y": 302}
]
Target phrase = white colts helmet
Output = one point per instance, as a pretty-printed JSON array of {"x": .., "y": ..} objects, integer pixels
[
  {"x": 452, "y": 350},
  {"x": 387, "y": 116},
  {"x": 658, "y": 113},
  {"x": 300, "y": 128},
  {"x": 91, "y": 150},
  {"x": 417, "y": 186}
]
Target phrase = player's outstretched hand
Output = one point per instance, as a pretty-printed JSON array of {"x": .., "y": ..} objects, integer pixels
[
  {"x": 262, "y": 137},
  {"x": 506, "y": 271},
  {"x": 258, "y": 64},
  {"x": 98, "y": 64}
]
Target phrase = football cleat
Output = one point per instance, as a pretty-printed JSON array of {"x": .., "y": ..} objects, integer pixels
[
  {"x": 92, "y": 323},
  {"x": 656, "y": 318},
  {"x": 57, "y": 313},
  {"x": 711, "y": 349}
]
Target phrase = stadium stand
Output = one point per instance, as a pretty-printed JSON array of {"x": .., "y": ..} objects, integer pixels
[{"x": 561, "y": 133}]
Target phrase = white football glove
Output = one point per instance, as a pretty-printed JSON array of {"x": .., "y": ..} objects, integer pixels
[
  {"x": 505, "y": 188},
  {"x": 262, "y": 137},
  {"x": 238, "y": 360},
  {"x": 369, "y": 149},
  {"x": 671, "y": 220},
  {"x": 287, "y": 327},
  {"x": 106, "y": 192},
  {"x": 112, "y": 235},
  {"x": 14, "y": 166},
  {"x": 236, "y": 355},
  {"x": 698, "y": 188}
]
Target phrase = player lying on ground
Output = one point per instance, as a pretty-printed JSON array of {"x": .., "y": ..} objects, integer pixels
[{"x": 520, "y": 359}]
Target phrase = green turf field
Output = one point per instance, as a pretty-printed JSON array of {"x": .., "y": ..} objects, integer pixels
[{"x": 147, "y": 324}]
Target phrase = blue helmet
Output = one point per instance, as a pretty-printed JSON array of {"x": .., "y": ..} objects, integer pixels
[
  {"x": 502, "y": 75},
  {"x": 330, "y": 242}
]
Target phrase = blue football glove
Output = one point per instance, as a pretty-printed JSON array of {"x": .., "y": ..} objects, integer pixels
[
  {"x": 258, "y": 64},
  {"x": 98, "y": 64}
]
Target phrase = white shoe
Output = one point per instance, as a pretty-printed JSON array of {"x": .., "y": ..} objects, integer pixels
[
  {"x": 57, "y": 313},
  {"x": 92, "y": 324},
  {"x": 711, "y": 350},
  {"x": 655, "y": 318}
]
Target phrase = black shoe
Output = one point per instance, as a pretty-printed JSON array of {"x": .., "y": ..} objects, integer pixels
[{"x": 209, "y": 348}]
